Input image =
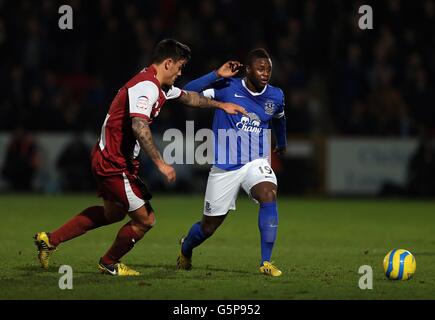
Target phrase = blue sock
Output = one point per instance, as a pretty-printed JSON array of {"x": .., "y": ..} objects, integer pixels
[
  {"x": 268, "y": 225},
  {"x": 193, "y": 239}
]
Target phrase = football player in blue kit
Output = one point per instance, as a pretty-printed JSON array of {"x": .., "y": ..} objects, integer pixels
[{"x": 244, "y": 161}]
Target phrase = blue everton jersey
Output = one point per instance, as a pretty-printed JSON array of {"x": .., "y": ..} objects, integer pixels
[{"x": 240, "y": 139}]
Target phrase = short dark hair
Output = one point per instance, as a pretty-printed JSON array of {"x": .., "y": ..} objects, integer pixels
[
  {"x": 258, "y": 53},
  {"x": 170, "y": 48}
]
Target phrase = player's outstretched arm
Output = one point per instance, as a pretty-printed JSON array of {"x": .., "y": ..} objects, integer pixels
[
  {"x": 194, "y": 99},
  {"x": 227, "y": 70},
  {"x": 143, "y": 134},
  {"x": 201, "y": 83}
]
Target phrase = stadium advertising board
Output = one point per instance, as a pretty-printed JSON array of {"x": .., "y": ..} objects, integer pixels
[{"x": 363, "y": 166}]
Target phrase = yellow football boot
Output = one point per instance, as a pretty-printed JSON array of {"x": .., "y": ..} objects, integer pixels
[
  {"x": 183, "y": 262},
  {"x": 269, "y": 269},
  {"x": 117, "y": 269},
  {"x": 45, "y": 249}
]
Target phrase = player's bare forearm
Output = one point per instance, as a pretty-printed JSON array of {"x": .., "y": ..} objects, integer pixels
[
  {"x": 142, "y": 132},
  {"x": 194, "y": 99}
]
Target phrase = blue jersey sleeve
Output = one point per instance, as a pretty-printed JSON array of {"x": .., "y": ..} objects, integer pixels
[
  {"x": 279, "y": 112},
  {"x": 279, "y": 124},
  {"x": 279, "y": 127},
  {"x": 202, "y": 83},
  {"x": 209, "y": 85}
]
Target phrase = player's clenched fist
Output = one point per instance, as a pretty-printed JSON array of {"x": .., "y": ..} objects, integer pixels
[{"x": 168, "y": 171}]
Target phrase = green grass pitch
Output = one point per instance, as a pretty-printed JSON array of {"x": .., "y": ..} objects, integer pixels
[{"x": 321, "y": 245}]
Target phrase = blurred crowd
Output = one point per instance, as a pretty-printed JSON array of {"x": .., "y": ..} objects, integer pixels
[{"x": 337, "y": 78}]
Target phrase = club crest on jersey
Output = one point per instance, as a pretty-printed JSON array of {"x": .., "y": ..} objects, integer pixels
[
  {"x": 269, "y": 108},
  {"x": 142, "y": 102}
]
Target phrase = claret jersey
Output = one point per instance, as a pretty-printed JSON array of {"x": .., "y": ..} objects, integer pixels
[{"x": 117, "y": 149}]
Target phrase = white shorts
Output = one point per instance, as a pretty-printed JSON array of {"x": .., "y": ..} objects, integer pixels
[{"x": 223, "y": 186}]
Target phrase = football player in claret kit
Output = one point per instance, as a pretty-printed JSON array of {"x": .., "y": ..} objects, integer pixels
[
  {"x": 114, "y": 158},
  {"x": 237, "y": 166}
]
